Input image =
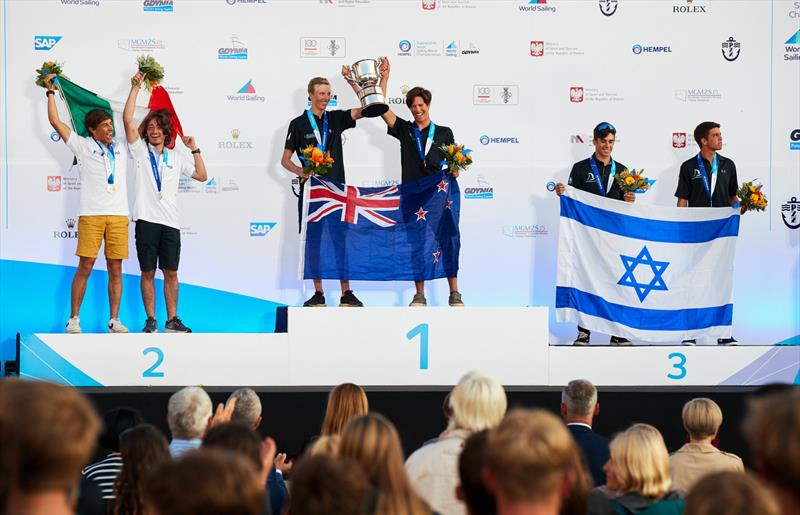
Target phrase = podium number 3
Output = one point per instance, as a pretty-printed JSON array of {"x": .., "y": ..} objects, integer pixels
[
  {"x": 422, "y": 331},
  {"x": 679, "y": 365},
  {"x": 151, "y": 372}
]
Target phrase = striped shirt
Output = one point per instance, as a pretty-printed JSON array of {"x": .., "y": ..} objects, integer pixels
[
  {"x": 104, "y": 473},
  {"x": 178, "y": 447}
]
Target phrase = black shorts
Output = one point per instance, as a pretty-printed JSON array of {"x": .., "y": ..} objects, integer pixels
[{"x": 157, "y": 244}]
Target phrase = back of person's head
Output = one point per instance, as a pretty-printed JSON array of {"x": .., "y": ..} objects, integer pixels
[
  {"x": 477, "y": 402},
  {"x": 324, "y": 485},
  {"x": 346, "y": 401},
  {"x": 641, "y": 461},
  {"x": 771, "y": 429},
  {"x": 248, "y": 407},
  {"x": 188, "y": 412},
  {"x": 115, "y": 421},
  {"x": 701, "y": 418},
  {"x": 325, "y": 444},
  {"x": 205, "y": 482},
  {"x": 579, "y": 398},
  {"x": 372, "y": 441},
  {"x": 530, "y": 456},
  {"x": 731, "y": 493},
  {"x": 143, "y": 449},
  {"x": 237, "y": 438},
  {"x": 47, "y": 434},
  {"x": 473, "y": 492}
]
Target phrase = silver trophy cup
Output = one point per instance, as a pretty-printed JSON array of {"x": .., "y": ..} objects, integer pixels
[{"x": 366, "y": 74}]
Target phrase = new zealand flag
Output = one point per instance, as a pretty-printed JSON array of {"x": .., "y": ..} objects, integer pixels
[{"x": 406, "y": 232}]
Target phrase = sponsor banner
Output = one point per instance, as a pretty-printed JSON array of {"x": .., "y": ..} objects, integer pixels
[{"x": 485, "y": 94}]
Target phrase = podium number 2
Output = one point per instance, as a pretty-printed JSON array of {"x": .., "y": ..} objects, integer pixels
[
  {"x": 151, "y": 372},
  {"x": 422, "y": 331},
  {"x": 679, "y": 365}
]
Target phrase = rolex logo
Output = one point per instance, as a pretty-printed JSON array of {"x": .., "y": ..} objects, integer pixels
[
  {"x": 235, "y": 133},
  {"x": 70, "y": 223}
]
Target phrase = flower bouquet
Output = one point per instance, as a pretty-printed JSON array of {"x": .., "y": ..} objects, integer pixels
[
  {"x": 456, "y": 157},
  {"x": 152, "y": 71},
  {"x": 315, "y": 161},
  {"x": 48, "y": 68},
  {"x": 632, "y": 180},
  {"x": 751, "y": 197}
]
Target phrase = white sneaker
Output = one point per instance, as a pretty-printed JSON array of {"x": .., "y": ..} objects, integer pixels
[
  {"x": 74, "y": 325},
  {"x": 115, "y": 326}
]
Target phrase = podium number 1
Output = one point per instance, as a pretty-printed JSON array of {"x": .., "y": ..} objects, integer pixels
[{"x": 422, "y": 331}]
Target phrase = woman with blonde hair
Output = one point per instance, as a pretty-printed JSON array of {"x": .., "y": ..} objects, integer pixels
[
  {"x": 637, "y": 475},
  {"x": 372, "y": 441},
  {"x": 346, "y": 401},
  {"x": 701, "y": 419}
]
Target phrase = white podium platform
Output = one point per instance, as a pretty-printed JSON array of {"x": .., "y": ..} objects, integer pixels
[{"x": 391, "y": 347}]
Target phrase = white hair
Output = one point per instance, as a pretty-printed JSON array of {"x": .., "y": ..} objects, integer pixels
[
  {"x": 580, "y": 397},
  {"x": 188, "y": 412},
  {"x": 477, "y": 402},
  {"x": 248, "y": 406}
]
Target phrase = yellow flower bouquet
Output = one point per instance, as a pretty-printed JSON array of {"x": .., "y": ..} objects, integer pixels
[
  {"x": 456, "y": 157},
  {"x": 315, "y": 161},
  {"x": 632, "y": 180},
  {"x": 751, "y": 196},
  {"x": 48, "y": 67}
]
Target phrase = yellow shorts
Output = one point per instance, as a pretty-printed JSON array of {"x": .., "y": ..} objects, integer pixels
[{"x": 93, "y": 229}]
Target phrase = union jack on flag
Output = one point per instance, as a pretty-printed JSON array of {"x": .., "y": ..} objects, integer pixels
[{"x": 327, "y": 197}]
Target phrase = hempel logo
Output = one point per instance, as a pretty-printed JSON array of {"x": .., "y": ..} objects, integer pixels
[
  {"x": 485, "y": 140},
  {"x": 261, "y": 228},
  {"x": 45, "y": 42},
  {"x": 639, "y": 49}
]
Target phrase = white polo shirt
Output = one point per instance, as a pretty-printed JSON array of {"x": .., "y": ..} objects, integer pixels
[
  {"x": 94, "y": 167},
  {"x": 149, "y": 205}
]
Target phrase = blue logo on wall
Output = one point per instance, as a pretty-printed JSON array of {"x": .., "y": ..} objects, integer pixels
[
  {"x": 485, "y": 140},
  {"x": 794, "y": 136},
  {"x": 405, "y": 45},
  {"x": 261, "y": 228},
  {"x": 639, "y": 49},
  {"x": 45, "y": 42},
  {"x": 159, "y": 6}
]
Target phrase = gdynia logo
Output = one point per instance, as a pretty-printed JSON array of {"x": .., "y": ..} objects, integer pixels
[
  {"x": 261, "y": 228},
  {"x": 160, "y": 6},
  {"x": 237, "y": 50},
  {"x": 247, "y": 93},
  {"x": 792, "y": 47},
  {"x": 45, "y": 42},
  {"x": 485, "y": 140},
  {"x": 639, "y": 49}
]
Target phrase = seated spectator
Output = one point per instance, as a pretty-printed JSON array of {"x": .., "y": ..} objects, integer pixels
[
  {"x": 204, "y": 482},
  {"x": 372, "y": 442},
  {"x": 771, "y": 430},
  {"x": 47, "y": 434},
  {"x": 244, "y": 441},
  {"x": 346, "y": 401},
  {"x": 530, "y": 460},
  {"x": 325, "y": 485},
  {"x": 477, "y": 402},
  {"x": 105, "y": 471},
  {"x": 731, "y": 493},
  {"x": 248, "y": 408},
  {"x": 579, "y": 406},
  {"x": 637, "y": 474},
  {"x": 701, "y": 419},
  {"x": 143, "y": 449},
  {"x": 471, "y": 490},
  {"x": 328, "y": 445},
  {"x": 188, "y": 412}
]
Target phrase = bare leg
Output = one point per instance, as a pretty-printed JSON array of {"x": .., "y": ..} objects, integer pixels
[
  {"x": 345, "y": 284},
  {"x": 453, "y": 283},
  {"x": 318, "y": 285},
  {"x": 149, "y": 292},
  {"x": 420, "y": 286},
  {"x": 114, "y": 285},
  {"x": 79, "y": 281},
  {"x": 171, "y": 292}
]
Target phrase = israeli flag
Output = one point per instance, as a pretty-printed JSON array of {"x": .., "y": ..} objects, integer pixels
[{"x": 650, "y": 273}]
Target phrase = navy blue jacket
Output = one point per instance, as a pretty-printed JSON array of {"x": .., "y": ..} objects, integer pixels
[{"x": 595, "y": 451}]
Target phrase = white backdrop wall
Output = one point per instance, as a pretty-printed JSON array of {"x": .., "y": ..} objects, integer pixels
[{"x": 540, "y": 75}]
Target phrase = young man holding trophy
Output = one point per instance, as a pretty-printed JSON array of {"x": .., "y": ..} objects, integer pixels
[{"x": 322, "y": 129}]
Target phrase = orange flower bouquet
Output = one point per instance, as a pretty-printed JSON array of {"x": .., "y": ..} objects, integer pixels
[
  {"x": 315, "y": 161},
  {"x": 751, "y": 196},
  {"x": 456, "y": 157},
  {"x": 632, "y": 180}
]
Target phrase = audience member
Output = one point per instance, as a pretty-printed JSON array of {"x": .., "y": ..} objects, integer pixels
[
  {"x": 731, "y": 493},
  {"x": 143, "y": 448},
  {"x": 248, "y": 408},
  {"x": 324, "y": 485},
  {"x": 530, "y": 459},
  {"x": 771, "y": 430},
  {"x": 471, "y": 490},
  {"x": 579, "y": 406},
  {"x": 325, "y": 445},
  {"x": 702, "y": 418},
  {"x": 105, "y": 471},
  {"x": 637, "y": 474},
  {"x": 372, "y": 441},
  {"x": 47, "y": 434},
  {"x": 205, "y": 482},
  {"x": 188, "y": 412},
  {"x": 477, "y": 402},
  {"x": 346, "y": 401}
]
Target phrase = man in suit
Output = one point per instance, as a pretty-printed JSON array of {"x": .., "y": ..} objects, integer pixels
[{"x": 578, "y": 408}]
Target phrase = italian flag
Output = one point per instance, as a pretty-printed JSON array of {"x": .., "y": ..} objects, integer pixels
[{"x": 80, "y": 101}]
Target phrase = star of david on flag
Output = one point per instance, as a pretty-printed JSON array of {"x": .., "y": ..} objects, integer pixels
[
  {"x": 401, "y": 232},
  {"x": 643, "y": 272}
]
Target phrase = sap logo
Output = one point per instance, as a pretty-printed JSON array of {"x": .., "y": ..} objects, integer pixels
[
  {"x": 45, "y": 42},
  {"x": 261, "y": 228}
]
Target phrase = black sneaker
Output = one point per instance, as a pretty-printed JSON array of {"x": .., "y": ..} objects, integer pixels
[
  {"x": 727, "y": 341},
  {"x": 349, "y": 300},
  {"x": 619, "y": 342},
  {"x": 582, "y": 340},
  {"x": 689, "y": 343},
  {"x": 176, "y": 326},
  {"x": 316, "y": 301},
  {"x": 150, "y": 325}
]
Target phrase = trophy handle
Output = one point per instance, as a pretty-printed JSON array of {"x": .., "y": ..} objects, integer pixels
[{"x": 350, "y": 79}]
